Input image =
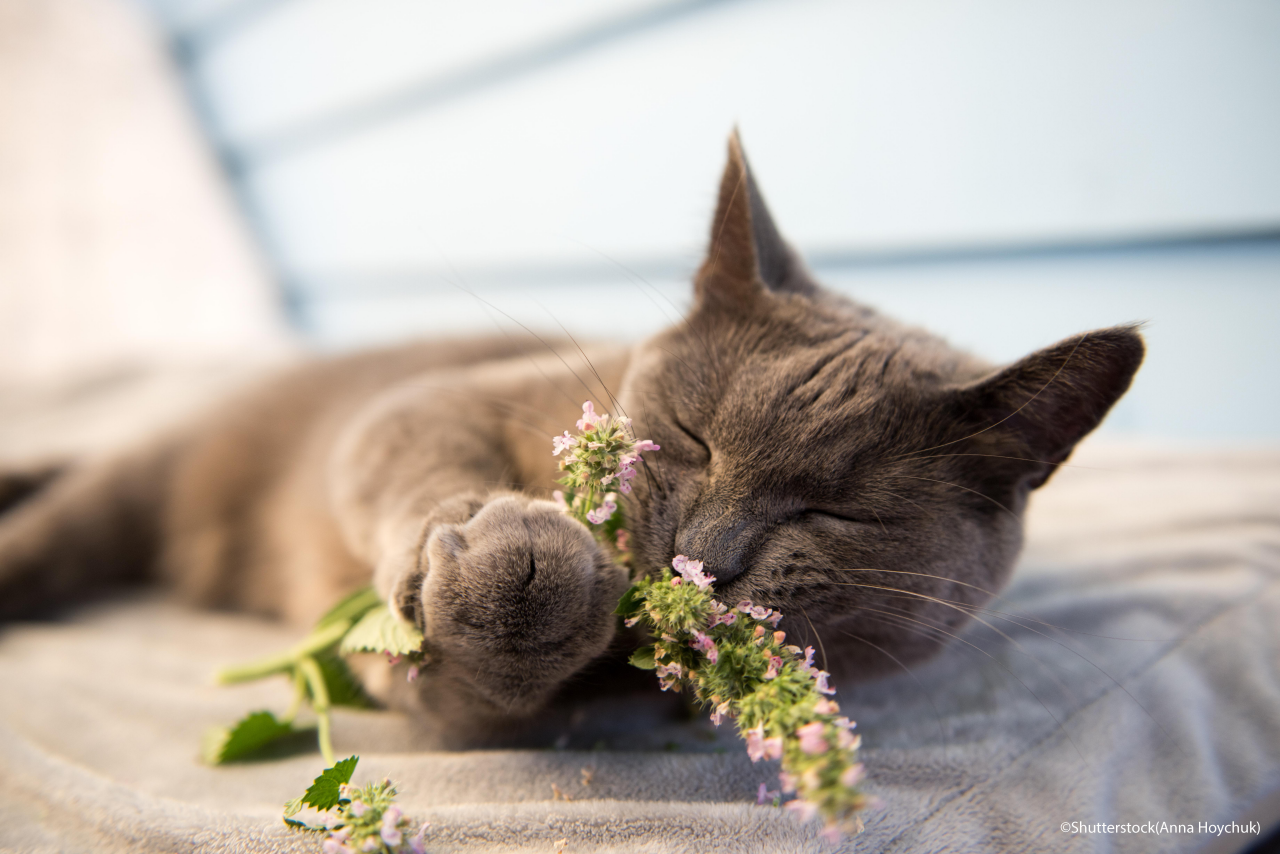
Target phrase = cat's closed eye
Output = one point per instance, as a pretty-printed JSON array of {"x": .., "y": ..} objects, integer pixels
[
  {"x": 845, "y": 517},
  {"x": 693, "y": 442}
]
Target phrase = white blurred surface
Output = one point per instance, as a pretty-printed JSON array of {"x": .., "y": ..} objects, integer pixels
[{"x": 119, "y": 244}]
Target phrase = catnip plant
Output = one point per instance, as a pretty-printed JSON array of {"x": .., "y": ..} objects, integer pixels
[{"x": 732, "y": 658}]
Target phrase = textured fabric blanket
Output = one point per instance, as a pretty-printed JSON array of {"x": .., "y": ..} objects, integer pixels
[{"x": 1129, "y": 676}]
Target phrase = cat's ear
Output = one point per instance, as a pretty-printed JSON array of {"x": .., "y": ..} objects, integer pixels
[
  {"x": 747, "y": 254},
  {"x": 1050, "y": 400}
]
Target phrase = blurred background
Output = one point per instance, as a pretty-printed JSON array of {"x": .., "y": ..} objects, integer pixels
[{"x": 196, "y": 182}]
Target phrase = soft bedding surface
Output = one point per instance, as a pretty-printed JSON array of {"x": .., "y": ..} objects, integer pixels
[{"x": 1131, "y": 674}]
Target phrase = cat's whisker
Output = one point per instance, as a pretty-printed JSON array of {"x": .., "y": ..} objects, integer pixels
[
  {"x": 957, "y": 486},
  {"x": 817, "y": 637},
  {"x": 995, "y": 597},
  {"x": 486, "y": 306},
  {"x": 878, "y": 519},
  {"x": 1015, "y": 619},
  {"x": 1017, "y": 459},
  {"x": 613, "y": 401},
  {"x": 925, "y": 510},
  {"x": 635, "y": 279},
  {"x": 971, "y": 615},
  {"x": 540, "y": 339},
  {"x": 1003, "y": 667},
  {"x": 648, "y": 474},
  {"x": 937, "y": 714}
]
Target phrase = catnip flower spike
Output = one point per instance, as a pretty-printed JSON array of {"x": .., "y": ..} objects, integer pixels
[{"x": 734, "y": 659}]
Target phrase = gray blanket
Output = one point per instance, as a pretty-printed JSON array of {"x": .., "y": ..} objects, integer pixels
[{"x": 1130, "y": 675}]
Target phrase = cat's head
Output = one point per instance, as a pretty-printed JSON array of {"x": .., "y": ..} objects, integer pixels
[{"x": 861, "y": 476}]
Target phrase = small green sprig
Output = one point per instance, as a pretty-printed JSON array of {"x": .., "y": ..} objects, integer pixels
[
  {"x": 356, "y": 819},
  {"x": 359, "y": 820},
  {"x": 315, "y": 666}
]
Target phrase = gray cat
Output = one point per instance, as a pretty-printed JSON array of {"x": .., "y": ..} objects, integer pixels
[{"x": 862, "y": 477}]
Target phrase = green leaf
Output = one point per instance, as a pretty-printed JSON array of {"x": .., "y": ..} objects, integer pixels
[
  {"x": 351, "y": 608},
  {"x": 382, "y": 630},
  {"x": 323, "y": 793},
  {"x": 253, "y": 732},
  {"x": 632, "y": 601},
  {"x": 343, "y": 686},
  {"x": 643, "y": 658}
]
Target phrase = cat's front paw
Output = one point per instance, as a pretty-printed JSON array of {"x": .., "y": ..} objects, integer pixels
[{"x": 516, "y": 600}]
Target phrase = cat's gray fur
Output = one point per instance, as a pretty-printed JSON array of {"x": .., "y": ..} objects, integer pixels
[{"x": 863, "y": 477}]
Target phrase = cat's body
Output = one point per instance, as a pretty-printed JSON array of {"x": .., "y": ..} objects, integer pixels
[{"x": 864, "y": 478}]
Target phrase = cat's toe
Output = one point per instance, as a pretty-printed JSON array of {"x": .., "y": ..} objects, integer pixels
[{"x": 518, "y": 599}]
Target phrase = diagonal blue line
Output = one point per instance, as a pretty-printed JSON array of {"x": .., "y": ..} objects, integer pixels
[{"x": 434, "y": 91}]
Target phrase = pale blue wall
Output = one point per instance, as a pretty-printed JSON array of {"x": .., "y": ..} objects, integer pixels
[{"x": 391, "y": 151}]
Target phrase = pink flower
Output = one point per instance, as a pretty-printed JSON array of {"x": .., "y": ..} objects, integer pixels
[
  {"x": 744, "y": 606},
  {"x": 691, "y": 570},
  {"x": 779, "y": 637},
  {"x": 804, "y": 810},
  {"x": 808, "y": 657},
  {"x": 333, "y": 846},
  {"x": 602, "y": 513},
  {"x": 419, "y": 841},
  {"x": 358, "y": 808},
  {"x": 705, "y": 645},
  {"x": 811, "y": 738},
  {"x": 589, "y": 416},
  {"x": 643, "y": 445},
  {"x": 787, "y": 782},
  {"x": 562, "y": 443},
  {"x": 852, "y": 775},
  {"x": 773, "y": 747},
  {"x": 826, "y": 707},
  {"x": 764, "y": 795},
  {"x": 720, "y": 713},
  {"x": 370, "y": 845},
  {"x": 414, "y": 670},
  {"x": 755, "y": 743},
  {"x": 558, "y": 497},
  {"x": 390, "y": 832},
  {"x": 631, "y": 621},
  {"x": 393, "y": 660},
  {"x": 669, "y": 675},
  {"x": 760, "y": 612},
  {"x": 821, "y": 680},
  {"x": 625, "y": 474},
  {"x": 774, "y": 664},
  {"x": 716, "y": 619},
  {"x": 775, "y": 619}
]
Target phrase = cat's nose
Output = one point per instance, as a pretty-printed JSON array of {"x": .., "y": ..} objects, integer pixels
[{"x": 721, "y": 539}]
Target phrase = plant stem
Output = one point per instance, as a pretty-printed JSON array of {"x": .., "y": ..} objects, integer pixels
[
  {"x": 299, "y": 694},
  {"x": 320, "y": 702},
  {"x": 280, "y": 662}
]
